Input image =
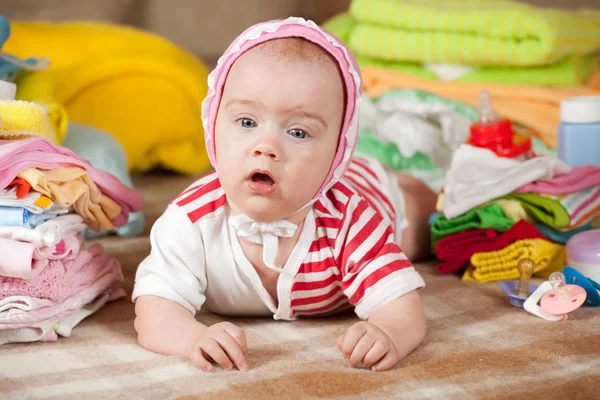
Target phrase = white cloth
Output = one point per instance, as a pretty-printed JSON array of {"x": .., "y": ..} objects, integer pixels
[
  {"x": 449, "y": 72},
  {"x": 40, "y": 330},
  {"x": 478, "y": 175},
  {"x": 413, "y": 126},
  {"x": 48, "y": 233},
  {"x": 8, "y": 197},
  {"x": 263, "y": 233},
  {"x": 24, "y": 303}
]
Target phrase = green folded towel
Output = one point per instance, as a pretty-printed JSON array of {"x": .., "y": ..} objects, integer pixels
[
  {"x": 471, "y": 32},
  {"x": 489, "y": 217},
  {"x": 543, "y": 209},
  {"x": 568, "y": 71}
]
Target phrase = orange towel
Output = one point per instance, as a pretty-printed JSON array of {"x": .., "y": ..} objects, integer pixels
[{"x": 537, "y": 108}]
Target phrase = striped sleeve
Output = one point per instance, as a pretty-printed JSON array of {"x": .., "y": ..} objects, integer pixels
[{"x": 374, "y": 269}]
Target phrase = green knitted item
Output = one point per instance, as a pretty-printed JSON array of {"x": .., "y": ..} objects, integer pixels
[{"x": 489, "y": 217}]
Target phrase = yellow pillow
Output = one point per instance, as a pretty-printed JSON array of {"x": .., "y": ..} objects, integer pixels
[{"x": 139, "y": 87}]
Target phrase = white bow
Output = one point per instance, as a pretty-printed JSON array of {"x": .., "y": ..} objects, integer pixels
[{"x": 265, "y": 233}]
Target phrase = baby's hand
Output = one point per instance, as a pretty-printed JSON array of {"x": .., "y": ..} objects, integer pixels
[
  {"x": 367, "y": 344},
  {"x": 225, "y": 344}
]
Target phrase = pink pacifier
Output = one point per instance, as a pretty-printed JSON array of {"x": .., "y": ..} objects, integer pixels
[
  {"x": 563, "y": 298},
  {"x": 556, "y": 298}
]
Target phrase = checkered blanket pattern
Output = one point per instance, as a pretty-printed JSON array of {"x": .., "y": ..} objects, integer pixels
[{"x": 478, "y": 346}]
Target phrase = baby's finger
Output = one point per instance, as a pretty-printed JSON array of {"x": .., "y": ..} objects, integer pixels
[
  {"x": 376, "y": 353},
  {"x": 199, "y": 361},
  {"x": 239, "y": 336},
  {"x": 339, "y": 342},
  {"x": 360, "y": 350},
  {"x": 214, "y": 350},
  {"x": 233, "y": 350},
  {"x": 388, "y": 361},
  {"x": 351, "y": 338}
]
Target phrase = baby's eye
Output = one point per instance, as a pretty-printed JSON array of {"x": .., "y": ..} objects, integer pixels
[
  {"x": 247, "y": 123},
  {"x": 298, "y": 133}
]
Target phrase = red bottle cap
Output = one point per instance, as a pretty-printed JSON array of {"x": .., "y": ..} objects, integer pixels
[{"x": 495, "y": 133}]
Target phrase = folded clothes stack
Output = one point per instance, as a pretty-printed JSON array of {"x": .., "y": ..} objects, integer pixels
[
  {"x": 494, "y": 211},
  {"x": 50, "y": 278}
]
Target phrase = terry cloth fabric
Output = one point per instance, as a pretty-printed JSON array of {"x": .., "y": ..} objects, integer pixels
[
  {"x": 561, "y": 237},
  {"x": 502, "y": 264},
  {"x": 582, "y": 206},
  {"x": 567, "y": 72},
  {"x": 478, "y": 175},
  {"x": 490, "y": 217},
  {"x": 543, "y": 209},
  {"x": 22, "y": 119},
  {"x": 455, "y": 251},
  {"x": 485, "y": 32},
  {"x": 580, "y": 177}
]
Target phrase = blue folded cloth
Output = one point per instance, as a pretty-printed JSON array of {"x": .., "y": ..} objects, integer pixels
[
  {"x": 18, "y": 216},
  {"x": 560, "y": 236}
]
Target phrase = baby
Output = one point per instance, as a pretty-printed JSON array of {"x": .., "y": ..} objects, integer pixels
[{"x": 289, "y": 224}]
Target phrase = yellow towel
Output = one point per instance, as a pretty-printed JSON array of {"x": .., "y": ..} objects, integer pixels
[
  {"x": 137, "y": 86},
  {"x": 23, "y": 119},
  {"x": 502, "y": 264},
  {"x": 537, "y": 108}
]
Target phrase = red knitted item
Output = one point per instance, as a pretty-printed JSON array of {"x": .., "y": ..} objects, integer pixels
[{"x": 455, "y": 251}]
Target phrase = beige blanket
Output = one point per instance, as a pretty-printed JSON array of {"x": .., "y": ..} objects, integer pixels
[{"x": 478, "y": 346}]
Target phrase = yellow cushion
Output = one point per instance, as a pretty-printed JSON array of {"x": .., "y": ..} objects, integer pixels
[{"x": 140, "y": 88}]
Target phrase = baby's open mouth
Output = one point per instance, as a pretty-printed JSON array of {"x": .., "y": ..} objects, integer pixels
[{"x": 262, "y": 178}]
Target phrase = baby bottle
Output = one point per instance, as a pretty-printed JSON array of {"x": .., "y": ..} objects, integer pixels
[
  {"x": 497, "y": 134},
  {"x": 579, "y": 131}
]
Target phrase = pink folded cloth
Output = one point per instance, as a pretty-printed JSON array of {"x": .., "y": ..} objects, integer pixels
[
  {"x": 578, "y": 179},
  {"x": 26, "y": 251},
  {"x": 60, "y": 278},
  {"x": 18, "y": 155},
  {"x": 108, "y": 278},
  {"x": 25, "y": 260}
]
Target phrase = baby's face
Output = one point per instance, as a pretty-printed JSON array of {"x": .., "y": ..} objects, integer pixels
[{"x": 277, "y": 132}]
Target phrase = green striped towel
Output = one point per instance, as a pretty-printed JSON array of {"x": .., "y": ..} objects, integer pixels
[
  {"x": 570, "y": 71},
  {"x": 471, "y": 32}
]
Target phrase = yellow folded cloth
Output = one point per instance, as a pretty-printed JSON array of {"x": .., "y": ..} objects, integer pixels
[
  {"x": 502, "y": 264},
  {"x": 137, "y": 86},
  {"x": 23, "y": 119},
  {"x": 71, "y": 186},
  {"x": 537, "y": 108},
  {"x": 513, "y": 210}
]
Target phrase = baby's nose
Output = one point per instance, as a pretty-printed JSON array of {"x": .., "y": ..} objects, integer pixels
[{"x": 267, "y": 150}]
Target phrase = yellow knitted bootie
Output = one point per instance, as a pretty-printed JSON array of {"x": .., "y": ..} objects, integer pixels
[
  {"x": 24, "y": 119},
  {"x": 502, "y": 264}
]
